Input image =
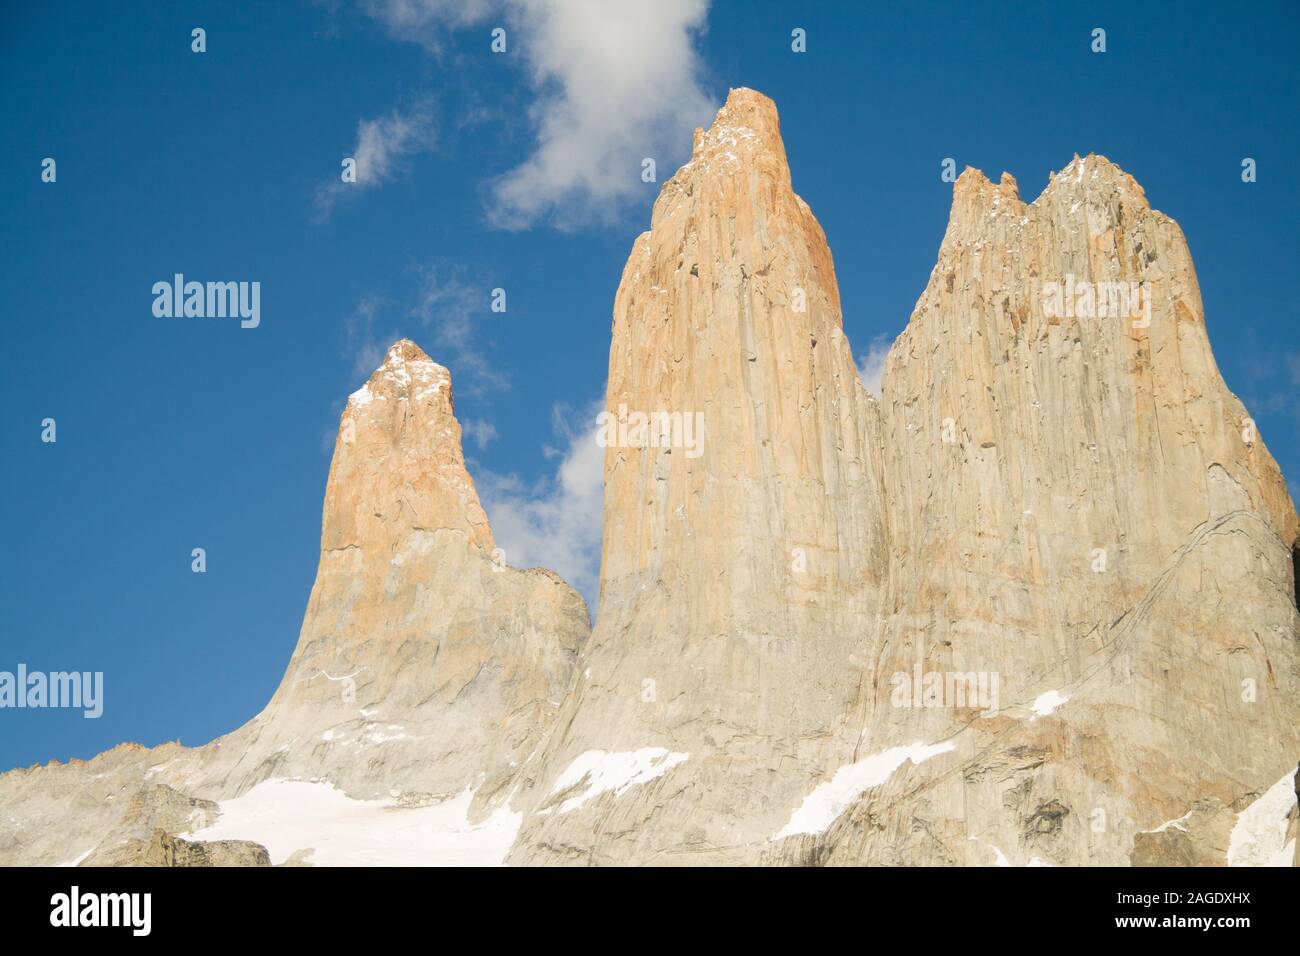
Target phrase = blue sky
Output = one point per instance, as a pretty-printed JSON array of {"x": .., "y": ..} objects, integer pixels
[{"x": 518, "y": 171}]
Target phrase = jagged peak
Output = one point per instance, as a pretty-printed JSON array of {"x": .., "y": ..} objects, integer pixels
[
  {"x": 405, "y": 420},
  {"x": 745, "y": 136},
  {"x": 406, "y": 372},
  {"x": 744, "y": 139},
  {"x": 1092, "y": 173},
  {"x": 747, "y": 112},
  {"x": 405, "y": 352},
  {"x": 973, "y": 181},
  {"x": 1083, "y": 180}
]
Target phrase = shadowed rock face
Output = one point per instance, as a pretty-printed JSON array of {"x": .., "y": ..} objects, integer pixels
[
  {"x": 1295, "y": 569},
  {"x": 1036, "y": 604},
  {"x": 164, "y": 850},
  {"x": 146, "y": 835}
]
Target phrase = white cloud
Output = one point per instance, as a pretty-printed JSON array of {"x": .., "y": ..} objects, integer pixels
[
  {"x": 381, "y": 141},
  {"x": 381, "y": 146},
  {"x": 556, "y": 522},
  {"x": 454, "y": 310},
  {"x": 424, "y": 20},
  {"x": 359, "y": 337},
  {"x": 871, "y": 366},
  {"x": 482, "y": 432},
  {"x": 615, "y": 83}
]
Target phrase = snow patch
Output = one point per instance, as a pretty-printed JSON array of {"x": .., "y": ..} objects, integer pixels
[
  {"x": 424, "y": 393},
  {"x": 375, "y": 735},
  {"x": 77, "y": 861},
  {"x": 1045, "y": 704},
  {"x": 1000, "y": 857},
  {"x": 820, "y": 808},
  {"x": 1259, "y": 838},
  {"x": 289, "y": 815},
  {"x": 1175, "y": 824},
  {"x": 613, "y": 771}
]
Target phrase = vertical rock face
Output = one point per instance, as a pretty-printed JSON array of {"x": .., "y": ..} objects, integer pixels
[
  {"x": 420, "y": 652},
  {"x": 1081, "y": 510},
  {"x": 1036, "y": 602},
  {"x": 1036, "y": 605},
  {"x": 740, "y": 577}
]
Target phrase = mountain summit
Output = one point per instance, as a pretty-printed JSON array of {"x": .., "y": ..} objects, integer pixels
[
  {"x": 426, "y": 671},
  {"x": 1031, "y": 606},
  {"x": 1034, "y": 605}
]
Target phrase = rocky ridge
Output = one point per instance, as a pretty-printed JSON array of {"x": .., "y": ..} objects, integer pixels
[{"x": 1035, "y": 604}]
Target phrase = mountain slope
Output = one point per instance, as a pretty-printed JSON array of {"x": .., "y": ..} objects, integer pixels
[{"x": 426, "y": 672}]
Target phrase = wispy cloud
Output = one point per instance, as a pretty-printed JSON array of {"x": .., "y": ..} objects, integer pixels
[
  {"x": 427, "y": 22},
  {"x": 615, "y": 83},
  {"x": 871, "y": 366},
  {"x": 556, "y": 522},
  {"x": 454, "y": 310},
  {"x": 1267, "y": 379},
  {"x": 382, "y": 145},
  {"x": 480, "y": 431},
  {"x": 359, "y": 339}
]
